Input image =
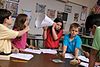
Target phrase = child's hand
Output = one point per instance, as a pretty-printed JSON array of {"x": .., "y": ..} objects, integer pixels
[
  {"x": 15, "y": 50},
  {"x": 54, "y": 25},
  {"x": 86, "y": 54},
  {"x": 63, "y": 55},
  {"x": 27, "y": 28},
  {"x": 32, "y": 47},
  {"x": 21, "y": 50},
  {"x": 45, "y": 28}
]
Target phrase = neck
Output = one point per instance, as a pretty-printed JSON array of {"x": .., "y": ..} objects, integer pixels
[{"x": 5, "y": 24}]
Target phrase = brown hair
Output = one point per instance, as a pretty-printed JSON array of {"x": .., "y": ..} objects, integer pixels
[
  {"x": 75, "y": 25},
  {"x": 19, "y": 22}
]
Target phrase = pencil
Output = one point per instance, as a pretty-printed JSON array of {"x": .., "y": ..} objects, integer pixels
[{"x": 23, "y": 61}]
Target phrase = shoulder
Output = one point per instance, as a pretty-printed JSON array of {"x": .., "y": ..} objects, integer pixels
[
  {"x": 66, "y": 35},
  {"x": 2, "y": 27},
  {"x": 77, "y": 37}
]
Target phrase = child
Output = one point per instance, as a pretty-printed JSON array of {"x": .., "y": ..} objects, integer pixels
[
  {"x": 72, "y": 42},
  {"x": 95, "y": 19},
  {"x": 21, "y": 22},
  {"x": 7, "y": 34},
  {"x": 53, "y": 34}
]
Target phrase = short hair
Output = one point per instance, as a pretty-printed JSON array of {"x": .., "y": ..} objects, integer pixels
[
  {"x": 4, "y": 13},
  {"x": 91, "y": 20},
  {"x": 59, "y": 20},
  {"x": 75, "y": 25}
]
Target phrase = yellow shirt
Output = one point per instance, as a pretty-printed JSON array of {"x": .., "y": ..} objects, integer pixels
[{"x": 6, "y": 35}]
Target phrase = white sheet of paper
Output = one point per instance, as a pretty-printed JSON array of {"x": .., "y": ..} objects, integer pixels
[
  {"x": 32, "y": 51},
  {"x": 68, "y": 55},
  {"x": 50, "y": 51},
  {"x": 83, "y": 58},
  {"x": 22, "y": 56},
  {"x": 84, "y": 64},
  {"x": 43, "y": 20}
]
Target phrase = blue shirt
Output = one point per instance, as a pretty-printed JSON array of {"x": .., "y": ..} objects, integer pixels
[{"x": 71, "y": 45}]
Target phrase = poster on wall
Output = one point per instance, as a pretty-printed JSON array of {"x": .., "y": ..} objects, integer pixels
[
  {"x": 76, "y": 15},
  {"x": 13, "y": 7},
  {"x": 40, "y": 8},
  {"x": 59, "y": 14},
  {"x": 83, "y": 13},
  {"x": 2, "y": 3},
  {"x": 13, "y": 0},
  {"x": 67, "y": 8},
  {"x": 62, "y": 15},
  {"x": 51, "y": 13}
]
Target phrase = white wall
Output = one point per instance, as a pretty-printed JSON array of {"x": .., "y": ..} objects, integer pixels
[
  {"x": 52, "y": 4},
  {"x": 30, "y": 5}
]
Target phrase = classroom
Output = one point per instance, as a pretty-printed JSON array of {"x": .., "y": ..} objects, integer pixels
[{"x": 57, "y": 33}]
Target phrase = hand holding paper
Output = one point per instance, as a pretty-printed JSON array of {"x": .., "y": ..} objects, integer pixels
[{"x": 43, "y": 20}]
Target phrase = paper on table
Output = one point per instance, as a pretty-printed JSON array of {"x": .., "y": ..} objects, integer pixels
[
  {"x": 83, "y": 58},
  {"x": 22, "y": 56},
  {"x": 50, "y": 51},
  {"x": 32, "y": 51},
  {"x": 43, "y": 20},
  {"x": 68, "y": 55},
  {"x": 84, "y": 64}
]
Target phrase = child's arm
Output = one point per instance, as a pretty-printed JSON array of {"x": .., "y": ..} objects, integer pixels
[
  {"x": 76, "y": 53},
  {"x": 45, "y": 32},
  {"x": 64, "y": 50},
  {"x": 30, "y": 46},
  {"x": 14, "y": 49},
  {"x": 54, "y": 34},
  {"x": 23, "y": 31}
]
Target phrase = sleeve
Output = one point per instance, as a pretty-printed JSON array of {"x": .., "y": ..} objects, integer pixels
[
  {"x": 78, "y": 42},
  {"x": 96, "y": 40},
  {"x": 65, "y": 41},
  {"x": 7, "y": 33}
]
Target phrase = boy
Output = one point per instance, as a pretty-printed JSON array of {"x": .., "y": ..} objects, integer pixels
[
  {"x": 94, "y": 54},
  {"x": 7, "y": 34},
  {"x": 72, "y": 42},
  {"x": 53, "y": 34}
]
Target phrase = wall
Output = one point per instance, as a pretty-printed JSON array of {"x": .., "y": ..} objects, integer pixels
[
  {"x": 52, "y": 4},
  {"x": 30, "y": 5}
]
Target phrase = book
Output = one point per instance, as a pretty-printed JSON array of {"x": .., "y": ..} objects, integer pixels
[
  {"x": 4, "y": 57},
  {"x": 22, "y": 56}
]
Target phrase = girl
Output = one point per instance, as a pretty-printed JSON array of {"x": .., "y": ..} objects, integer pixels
[{"x": 19, "y": 43}]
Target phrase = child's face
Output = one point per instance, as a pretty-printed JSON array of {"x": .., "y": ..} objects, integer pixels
[
  {"x": 26, "y": 22},
  {"x": 58, "y": 25},
  {"x": 9, "y": 21},
  {"x": 74, "y": 31}
]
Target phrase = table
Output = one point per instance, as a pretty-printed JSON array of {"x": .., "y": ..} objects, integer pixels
[{"x": 41, "y": 60}]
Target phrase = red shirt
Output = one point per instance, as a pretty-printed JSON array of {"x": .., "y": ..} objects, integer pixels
[{"x": 50, "y": 42}]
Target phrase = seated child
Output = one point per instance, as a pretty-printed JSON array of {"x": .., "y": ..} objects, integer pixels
[
  {"x": 72, "y": 42},
  {"x": 19, "y": 43},
  {"x": 7, "y": 34}
]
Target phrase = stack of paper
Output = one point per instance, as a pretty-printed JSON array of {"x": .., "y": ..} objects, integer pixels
[
  {"x": 43, "y": 20},
  {"x": 32, "y": 51},
  {"x": 22, "y": 56},
  {"x": 4, "y": 57},
  {"x": 50, "y": 51},
  {"x": 83, "y": 58},
  {"x": 84, "y": 64}
]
